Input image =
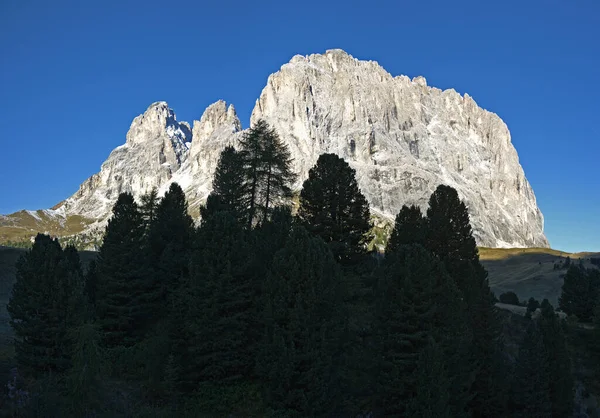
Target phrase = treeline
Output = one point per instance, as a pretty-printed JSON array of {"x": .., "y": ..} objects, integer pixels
[{"x": 260, "y": 313}]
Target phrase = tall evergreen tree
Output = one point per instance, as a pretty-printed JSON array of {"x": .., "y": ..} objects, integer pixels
[
  {"x": 559, "y": 363},
  {"x": 409, "y": 228},
  {"x": 432, "y": 395},
  {"x": 268, "y": 171},
  {"x": 44, "y": 306},
  {"x": 580, "y": 292},
  {"x": 219, "y": 304},
  {"x": 303, "y": 318},
  {"x": 405, "y": 319},
  {"x": 531, "y": 387},
  {"x": 450, "y": 239},
  {"x": 91, "y": 285},
  {"x": 333, "y": 207},
  {"x": 170, "y": 240},
  {"x": 229, "y": 186},
  {"x": 126, "y": 295}
]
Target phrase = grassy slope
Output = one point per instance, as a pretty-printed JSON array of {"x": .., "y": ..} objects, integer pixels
[
  {"x": 21, "y": 226},
  {"x": 528, "y": 271}
]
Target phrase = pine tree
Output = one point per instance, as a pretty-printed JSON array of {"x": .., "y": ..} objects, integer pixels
[
  {"x": 84, "y": 379},
  {"x": 409, "y": 228},
  {"x": 450, "y": 239},
  {"x": 333, "y": 207},
  {"x": 580, "y": 291},
  {"x": 45, "y": 303},
  {"x": 229, "y": 186},
  {"x": 220, "y": 298},
  {"x": 432, "y": 394},
  {"x": 267, "y": 170},
  {"x": 126, "y": 293},
  {"x": 169, "y": 241},
  {"x": 304, "y": 319},
  {"x": 489, "y": 388},
  {"x": 531, "y": 387},
  {"x": 559, "y": 363},
  {"x": 405, "y": 319},
  {"x": 91, "y": 285}
]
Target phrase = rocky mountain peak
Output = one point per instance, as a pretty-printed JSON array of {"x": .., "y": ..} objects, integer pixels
[{"x": 402, "y": 137}]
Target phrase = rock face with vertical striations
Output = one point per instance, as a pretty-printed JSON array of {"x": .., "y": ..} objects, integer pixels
[{"x": 403, "y": 137}]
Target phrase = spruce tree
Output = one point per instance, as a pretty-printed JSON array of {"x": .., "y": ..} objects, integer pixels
[
  {"x": 531, "y": 395},
  {"x": 409, "y": 228},
  {"x": 126, "y": 294},
  {"x": 220, "y": 298},
  {"x": 333, "y": 207},
  {"x": 267, "y": 170},
  {"x": 580, "y": 292},
  {"x": 489, "y": 388},
  {"x": 91, "y": 285},
  {"x": 405, "y": 319},
  {"x": 170, "y": 240},
  {"x": 559, "y": 363},
  {"x": 229, "y": 186},
  {"x": 450, "y": 238},
  {"x": 45, "y": 303},
  {"x": 304, "y": 319},
  {"x": 84, "y": 378},
  {"x": 432, "y": 394}
]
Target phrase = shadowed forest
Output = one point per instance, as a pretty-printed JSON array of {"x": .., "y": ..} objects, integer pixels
[{"x": 262, "y": 310}]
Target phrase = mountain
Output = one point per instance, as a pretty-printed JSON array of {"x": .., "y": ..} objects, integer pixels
[{"x": 403, "y": 138}]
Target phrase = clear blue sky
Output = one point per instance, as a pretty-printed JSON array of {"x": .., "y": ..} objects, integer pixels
[{"x": 73, "y": 74}]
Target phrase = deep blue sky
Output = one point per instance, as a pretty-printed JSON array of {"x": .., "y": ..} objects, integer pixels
[{"x": 73, "y": 74}]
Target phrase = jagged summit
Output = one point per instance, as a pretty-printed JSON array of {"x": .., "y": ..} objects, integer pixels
[{"x": 402, "y": 136}]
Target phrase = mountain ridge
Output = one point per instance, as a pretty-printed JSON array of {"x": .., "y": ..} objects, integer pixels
[{"x": 402, "y": 136}]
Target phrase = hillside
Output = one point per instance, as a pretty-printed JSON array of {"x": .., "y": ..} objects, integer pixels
[{"x": 529, "y": 272}]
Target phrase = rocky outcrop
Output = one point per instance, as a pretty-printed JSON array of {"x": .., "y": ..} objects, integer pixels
[{"x": 403, "y": 138}]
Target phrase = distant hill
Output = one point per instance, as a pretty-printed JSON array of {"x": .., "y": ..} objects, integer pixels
[{"x": 529, "y": 271}]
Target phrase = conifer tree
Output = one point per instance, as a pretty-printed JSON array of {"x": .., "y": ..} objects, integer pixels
[
  {"x": 531, "y": 387},
  {"x": 489, "y": 388},
  {"x": 45, "y": 303},
  {"x": 432, "y": 394},
  {"x": 561, "y": 382},
  {"x": 267, "y": 170},
  {"x": 580, "y": 292},
  {"x": 450, "y": 238},
  {"x": 229, "y": 186},
  {"x": 148, "y": 206},
  {"x": 405, "y": 320},
  {"x": 217, "y": 304},
  {"x": 409, "y": 228},
  {"x": 91, "y": 284},
  {"x": 126, "y": 294},
  {"x": 333, "y": 207},
  {"x": 303, "y": 319},
  {"x": 84, "y": 378},
  {"x": 170, "y": 240}
]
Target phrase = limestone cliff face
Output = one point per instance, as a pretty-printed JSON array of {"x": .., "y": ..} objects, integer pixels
[
  {"x": 156, "y": 147},
  {"x": 403, "y": 137}
]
